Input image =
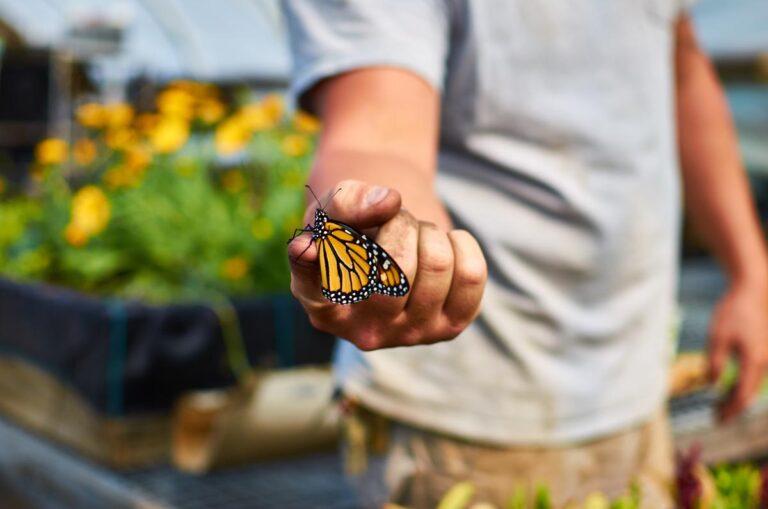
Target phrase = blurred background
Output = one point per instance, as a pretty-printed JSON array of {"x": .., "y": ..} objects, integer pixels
[{"x": 151, "y": 172}]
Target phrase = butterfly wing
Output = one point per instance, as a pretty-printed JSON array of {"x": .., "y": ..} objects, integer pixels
[
  {"x": 347, "y": 264},
  {"x": 391, "y": 280}
]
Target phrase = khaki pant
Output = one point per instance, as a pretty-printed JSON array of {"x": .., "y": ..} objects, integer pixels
[{"x": 418, "y": 467}]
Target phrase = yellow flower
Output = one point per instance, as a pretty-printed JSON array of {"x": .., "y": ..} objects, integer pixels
[
  {"x": 119, "y": 138},
  {"x": 90, "y": 210},
  {"x": 120, "y": 176},
  {"x": 51, "y": 151},
  {"x": 124, "y": 175},
  {"x": 305, "y": 122},
  {"x": 84, "y": 151},
  {"x": 194, "y": 88},
  {"x": 119, "y": 114},
  {"x": 233, "y": 181},
  {"x": 91, "y": 115},
  {"x": 231, "y": 136},
  {"x": 186, "y": 85},
  {"x": 146, "y": 122},
  {"x": 295, "y": 145},
  {"x": 169, "y": 135},
  {"x": 137, "y": 158},
  {"x": 262, "y": 228},
  {"x": 234, "y": 268},
  {"x": 75, "y": 236},
  {"x": 116, "y": 177},
  {"x": 255, "y": 117},
  {"x": 176, "y": 102},
  {"x": 210, "y": 110},
  {"x": 273, "y": 106}
]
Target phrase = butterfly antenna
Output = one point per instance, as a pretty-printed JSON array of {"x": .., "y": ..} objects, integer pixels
[
  {"x": 314, "y": 196},
  {"x": 331, "y": 198}
]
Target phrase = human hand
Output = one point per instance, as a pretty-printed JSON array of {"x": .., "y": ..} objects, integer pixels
[
  {"x": 447, "y": 272},
  {"x": 740, "y": 326}
]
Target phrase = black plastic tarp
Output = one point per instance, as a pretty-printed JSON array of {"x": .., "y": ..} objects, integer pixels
[{"x": 127, "y": 357}]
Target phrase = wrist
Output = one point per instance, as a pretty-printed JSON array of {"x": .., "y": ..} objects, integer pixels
[{"x": 755, "y": 279}]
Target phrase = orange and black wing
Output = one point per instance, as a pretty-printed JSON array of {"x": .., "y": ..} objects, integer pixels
[
  {"x": 391, "y": 280},
  {"x": 347, "y": 264}
]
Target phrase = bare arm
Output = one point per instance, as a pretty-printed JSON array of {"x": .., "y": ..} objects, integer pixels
[
  {"x": 379, "y": 145},
  {"x": 380, "y": 126},
  {"x": 720, "y": 206}
]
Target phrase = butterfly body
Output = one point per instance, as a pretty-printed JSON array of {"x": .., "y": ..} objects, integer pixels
[{"x": 353, "y": 266}]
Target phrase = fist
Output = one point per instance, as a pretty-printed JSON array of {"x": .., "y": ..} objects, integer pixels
[{"x": 447, "y": 272}]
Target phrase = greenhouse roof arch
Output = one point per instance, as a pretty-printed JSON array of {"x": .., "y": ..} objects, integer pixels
[{"x": 223, "y": 40}]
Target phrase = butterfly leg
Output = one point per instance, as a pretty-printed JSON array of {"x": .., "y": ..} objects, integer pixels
[
  {"x": 305, "y": 249},
  {"x": 299, "y": 231}
]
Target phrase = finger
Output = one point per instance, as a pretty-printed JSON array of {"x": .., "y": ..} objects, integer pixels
[
  {"x": 746, "y": 388},
  {"x": 305, "y": 271},
  {"x": 363, "y": 205},
  {"x": 718, "y": 354},
  {"x": 399, "y": 237},
  {"x": 433, "y": 277},
  {"x": 470, "y": 273}
]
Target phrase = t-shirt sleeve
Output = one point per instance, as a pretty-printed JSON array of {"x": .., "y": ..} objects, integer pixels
[{"x": 329, "y": 37}]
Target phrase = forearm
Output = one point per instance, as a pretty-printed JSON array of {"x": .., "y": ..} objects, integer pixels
[
  {"x": 380, "y": 126},
  {"x": 416, "y": 188},
  {"x": 716, "y": 187}
]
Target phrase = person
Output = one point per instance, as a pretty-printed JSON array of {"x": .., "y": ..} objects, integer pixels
[{"x": 525, "y": 164}]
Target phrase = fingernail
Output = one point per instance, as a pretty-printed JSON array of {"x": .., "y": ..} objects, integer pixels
[{"x": 375, "y": 195}]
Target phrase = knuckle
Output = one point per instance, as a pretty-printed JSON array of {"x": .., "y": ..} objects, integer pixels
[
  {"x": 407, "y": 218},
  {"x": 442, "y": 335},
  {"x": 460, "y": 319},
  {"x": 368, "y": 343},
  {"x": 472, "y": 272},
  {"x": 412, "y": 337},
  {"x": 367, "y": 339},
  {"x": 437, "y": 259},
  {"x": 323, "y": 318},
  {"x": 454, "y": 327},
  {"x": 446, "y": 329},
  {"x": 436, "y": 262},
  {"x": 463, "y": 237},
  {"x": 318, "y": 322}
]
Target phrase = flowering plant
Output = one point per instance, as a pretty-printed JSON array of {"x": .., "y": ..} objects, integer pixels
[{"x": 193, "y": 198}]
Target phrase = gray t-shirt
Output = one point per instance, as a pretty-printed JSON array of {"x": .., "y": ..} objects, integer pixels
[{"x": 558, "y": 153}]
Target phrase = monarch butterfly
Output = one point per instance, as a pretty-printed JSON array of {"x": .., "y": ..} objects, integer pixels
[{"x": 352, "y": 266}]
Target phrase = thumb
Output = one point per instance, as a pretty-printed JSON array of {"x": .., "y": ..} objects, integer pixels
[
  {"x": 363, "y": 205},
  {"x": 305, "y": 273}
]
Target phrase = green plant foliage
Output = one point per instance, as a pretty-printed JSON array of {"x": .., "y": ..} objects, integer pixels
[
  {"x": 194, "y": 199},
  {"x": 737, "y": 487}
]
